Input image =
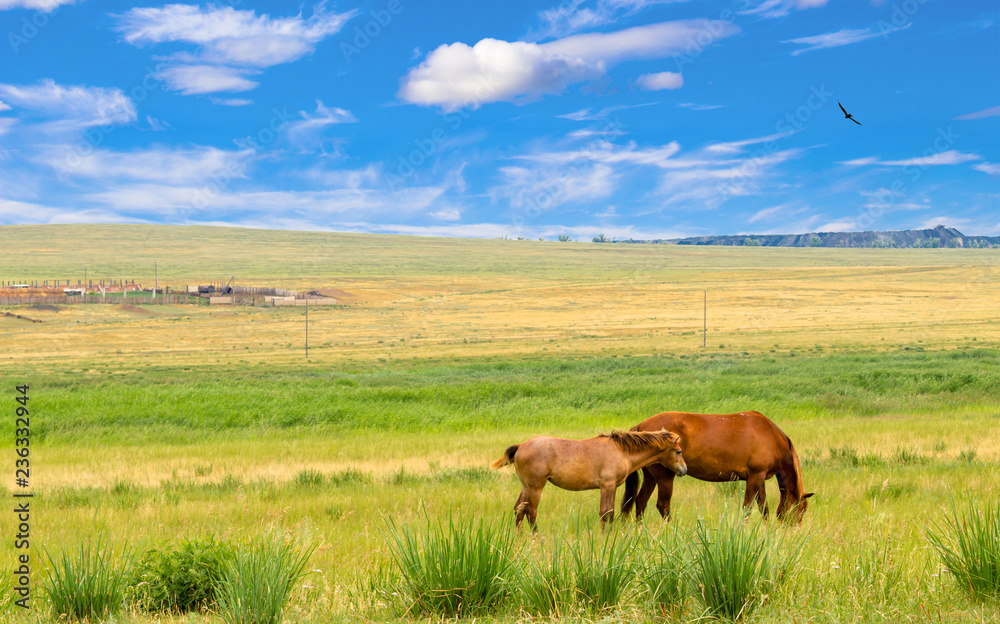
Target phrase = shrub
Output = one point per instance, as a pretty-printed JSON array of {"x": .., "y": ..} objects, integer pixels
[
  {"x": 738, "y": 561},
  {"x": 455, "y": 568},
  {"x": 968, "y": 543},
  {"x": 664, "y": 573},
  {"x": 258, "y": 581},
  {"x": 88, "y": 583},
  {"x": 544, "y": 580},
  {"x": 181, "y": 579},
  {"x": 604, "y": 566}
]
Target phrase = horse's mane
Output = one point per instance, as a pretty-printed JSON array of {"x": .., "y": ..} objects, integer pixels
[{"x": 634, "y": 441}]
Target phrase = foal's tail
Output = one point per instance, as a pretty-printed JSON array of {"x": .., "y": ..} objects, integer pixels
[
  {"x": 507, "y": 459},
  {"x": 631, "y": 488}
]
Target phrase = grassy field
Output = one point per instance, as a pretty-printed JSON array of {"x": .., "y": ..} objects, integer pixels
[{"x": 157, "y": 423}]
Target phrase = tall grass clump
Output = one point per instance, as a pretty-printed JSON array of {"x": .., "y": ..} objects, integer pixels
[
  {"x": 88, "y": 583},
  {"x": 739, "y": 560},
  {"x": 544, "y": 581},
  {"x": 258, "y": 581},
  {"x": 968, "y": 543},
  {"x": 181, "y": 578},
  {"x": 664, "y": 569},
  {"x": 456, "y": 567},
  {"x": 604, "y": 565}
]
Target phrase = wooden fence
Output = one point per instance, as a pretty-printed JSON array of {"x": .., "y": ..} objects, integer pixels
[{"x": 111, "y": 299}]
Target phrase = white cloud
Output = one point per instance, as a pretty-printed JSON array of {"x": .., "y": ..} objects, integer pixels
[
  {"x": 660, "y": 81},
  {"x": 70, "y": 108},
  {"x": 951, "y": 157},
  {"x": 539, "y": 189},
  {"x": 781, "y": 8},
  {"x": 839, "y": 38},
  {"x": 229, "y": 44},
  {"x": 198, "y": 79},
  {"x": 447, "y": 215},
  {"x": 41, "y": 5},
  {"x": 458, "y": 75},
  {"x": 993, "y": 111},
  {"x": 988, "y": 168},
  {"x": 769, "y": 213},
  {"x": 571, "y": 17},
  {"x": 306, "y": 135},
  {"x": 700, "y": 107},
  {"x": 843, "y": 225},
  {"x": 951, "y": 222},
  {"x": 155, "y": 165},
  {"x": 735, "y": 147},
  {"x": 6, "y": 124},
  {"x": 231, "y": 101}
]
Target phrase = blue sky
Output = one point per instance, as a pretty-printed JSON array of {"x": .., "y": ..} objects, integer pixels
[{"x": 631, "y": 118}]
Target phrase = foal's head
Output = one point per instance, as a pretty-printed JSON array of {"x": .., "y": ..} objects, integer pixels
[{"x": 667, "y": 442}]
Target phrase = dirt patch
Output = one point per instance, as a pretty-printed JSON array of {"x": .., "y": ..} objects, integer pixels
[
  {"x": 44, "y": 306},
  {"x": 336, "y": 293},
  {"x": 128, "y": 307},
  {"x": 23, "y": 318}
]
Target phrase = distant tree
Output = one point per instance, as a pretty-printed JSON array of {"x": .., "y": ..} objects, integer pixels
[
  {"x": 751, "y": 242},
  {"x": 564, "y": 238},
  {"x": 815, "y": 241},
  {"x": 602, "y": 239}
]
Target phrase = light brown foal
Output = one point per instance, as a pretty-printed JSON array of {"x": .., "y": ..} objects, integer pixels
[{"x": 598, "y": 463}]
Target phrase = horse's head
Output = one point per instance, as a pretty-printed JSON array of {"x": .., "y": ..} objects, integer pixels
[{"x": 673, "y": 458}]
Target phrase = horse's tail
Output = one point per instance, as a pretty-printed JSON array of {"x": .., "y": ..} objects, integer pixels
[
  {"x": 631, "y": 488},
  {"x": 506, "y": 459}
]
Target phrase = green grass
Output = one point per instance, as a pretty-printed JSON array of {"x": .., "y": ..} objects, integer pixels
[
  {"x": 737, "y": 564},
  {"x": 169, "y": 405},
  {"x": 256, "y": 583},
  {"x": 88, "y": 582},
  {"x": 968, "y": 542},
  {"x": 454, "y": 568}
]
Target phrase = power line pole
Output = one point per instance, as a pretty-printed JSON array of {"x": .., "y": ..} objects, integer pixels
[{"x": 704, "y": 335}]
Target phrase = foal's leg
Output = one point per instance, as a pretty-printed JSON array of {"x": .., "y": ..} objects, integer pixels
[
  {"x": 608, "y": 502},
  {"x": 521, "y": 506},
  {"x": 534, "y": 495}
]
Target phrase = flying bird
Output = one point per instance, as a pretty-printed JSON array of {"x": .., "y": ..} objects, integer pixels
[{"x": 847, "y": 115}]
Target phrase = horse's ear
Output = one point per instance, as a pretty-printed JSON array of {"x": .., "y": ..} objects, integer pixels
[{"x": 805, "y": 496}]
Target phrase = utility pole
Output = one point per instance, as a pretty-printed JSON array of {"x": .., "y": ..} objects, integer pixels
[
  {"x": 156, "y": 281},
  {"x": 704, "y": 335}
]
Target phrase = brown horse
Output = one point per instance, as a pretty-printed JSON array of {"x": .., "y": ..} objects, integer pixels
[
  {"x": 723, "y": 447},
  {"x": 598, "y": 463}
]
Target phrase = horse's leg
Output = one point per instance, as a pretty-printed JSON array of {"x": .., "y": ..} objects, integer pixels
[
  {"x": 785, "y": 501},
  {"x": 664, "y": 479},
  {"x": 645, "y": 491},
  {"x": 755, "y": 491}
]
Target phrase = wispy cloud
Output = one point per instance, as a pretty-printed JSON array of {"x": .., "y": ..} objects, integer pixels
[
  {"x": 660, "y": 81},
  {"x": 229, "y": 44},
  {"x": 993, "y": 111},
  {"x": 700, "y": 107},
  {"x": 988, "y": 168},
  {"x": 69, "y": 108},
  {"x": 950, "y": 157},
  {"x": 572, "y": 16},
  {"x": 840, "y": 38},
  {"x": 780, "y": 8},
  {"x": 40, "y": 5}
]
